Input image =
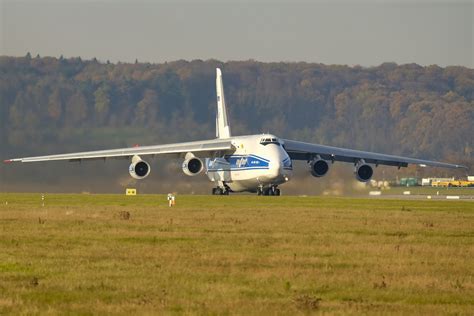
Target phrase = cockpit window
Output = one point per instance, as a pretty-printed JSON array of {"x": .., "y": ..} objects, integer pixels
[{"x": 266, "y": 141}]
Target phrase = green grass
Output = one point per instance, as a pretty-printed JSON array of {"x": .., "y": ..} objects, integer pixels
[{"x": 234, "y": 255}]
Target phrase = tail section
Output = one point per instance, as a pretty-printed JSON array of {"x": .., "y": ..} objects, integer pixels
[{"x": 222, "y": 124}]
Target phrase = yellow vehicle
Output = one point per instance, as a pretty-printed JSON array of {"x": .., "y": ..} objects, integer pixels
[
  {"x": 440, "y": 184},
  {"x": 464, "y": 183},
  {"x": 453, "y": 183}
]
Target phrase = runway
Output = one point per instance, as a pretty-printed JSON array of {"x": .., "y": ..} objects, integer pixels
[{"x": 469, "y": 198}]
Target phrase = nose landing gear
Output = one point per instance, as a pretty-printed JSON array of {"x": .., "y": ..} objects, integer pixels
[{"x": 269, "y": 191}]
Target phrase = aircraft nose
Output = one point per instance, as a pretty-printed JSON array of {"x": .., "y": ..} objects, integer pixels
[{"x": 276, "y": 166}]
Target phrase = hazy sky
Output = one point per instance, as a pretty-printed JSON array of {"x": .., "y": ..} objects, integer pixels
[{"x": 332, "y": 32}]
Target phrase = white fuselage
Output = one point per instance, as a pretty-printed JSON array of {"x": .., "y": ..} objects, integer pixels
[{"x": 259, "y": 161}]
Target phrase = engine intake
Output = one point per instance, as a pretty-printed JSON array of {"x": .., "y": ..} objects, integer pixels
[
  {"x": 363, "y": 172},
  {"x": 319, "y": 167},
  {"x": 139, "y": 169},
  {"x": 192, "y": 166}
]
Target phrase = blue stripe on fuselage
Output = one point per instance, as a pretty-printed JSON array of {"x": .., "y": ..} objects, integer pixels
[
  {"x": 245, "y": 162},
  {"x": 238, "y": 169}
]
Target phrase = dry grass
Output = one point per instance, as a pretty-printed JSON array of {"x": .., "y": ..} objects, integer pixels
[{"x": 101, "y": 254}]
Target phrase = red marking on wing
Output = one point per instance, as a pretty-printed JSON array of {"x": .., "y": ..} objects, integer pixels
[{"x": 8, "y": 161}]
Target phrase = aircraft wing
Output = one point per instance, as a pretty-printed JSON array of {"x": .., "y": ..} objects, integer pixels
[
  {"x": 205, "y": 148},
  {"x": 307, "y": 151}
]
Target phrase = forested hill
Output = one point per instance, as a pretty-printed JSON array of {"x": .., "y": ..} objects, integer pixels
[{"x": 50, "y": 105}]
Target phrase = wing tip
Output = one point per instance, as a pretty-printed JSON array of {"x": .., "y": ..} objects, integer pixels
[{"x": 8, "y": 161}]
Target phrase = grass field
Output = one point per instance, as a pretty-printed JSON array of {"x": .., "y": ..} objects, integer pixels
[{"x": 104, "y": 254}]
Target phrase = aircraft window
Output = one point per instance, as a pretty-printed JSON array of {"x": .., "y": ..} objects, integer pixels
[{"x": 266, "y": 141}]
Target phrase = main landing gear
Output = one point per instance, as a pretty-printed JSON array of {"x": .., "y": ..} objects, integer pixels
[
  {"x": 220, "y": 191},
  {"x": 272, "y": 191}
]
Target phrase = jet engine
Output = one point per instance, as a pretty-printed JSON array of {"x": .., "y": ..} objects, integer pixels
[
  {"x": 363, "y": 172},
  {"x": 319, "y": 167},
  {"x": 192, "y": 165},
  {"x": 139, "y": 169}
]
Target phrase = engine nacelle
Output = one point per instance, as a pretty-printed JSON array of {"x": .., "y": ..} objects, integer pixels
[
  {"x": 363, "y": 172},
  {"x": 319, "y": 167},
  {"x": 139, "y": 169},
  {"x": 192, "y": 166}
]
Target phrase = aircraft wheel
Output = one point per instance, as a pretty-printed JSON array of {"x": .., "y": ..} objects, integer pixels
[
  {"x": 217, "y": 191},
  {"x": 277, "y": 192}
]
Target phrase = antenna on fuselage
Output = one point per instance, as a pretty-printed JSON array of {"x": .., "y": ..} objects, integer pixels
[{"x": 222, "y": 124}]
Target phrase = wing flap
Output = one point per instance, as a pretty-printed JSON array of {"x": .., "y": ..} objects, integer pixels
[
  {"x": 306, "y": 151},
  {"x": 206, "y": 148}
]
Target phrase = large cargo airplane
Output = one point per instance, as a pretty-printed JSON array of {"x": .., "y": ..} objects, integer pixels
[{"x": 252, "y": 163}]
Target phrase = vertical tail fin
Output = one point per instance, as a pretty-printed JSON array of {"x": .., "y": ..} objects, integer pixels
[{"x": 222, "y": 125}]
